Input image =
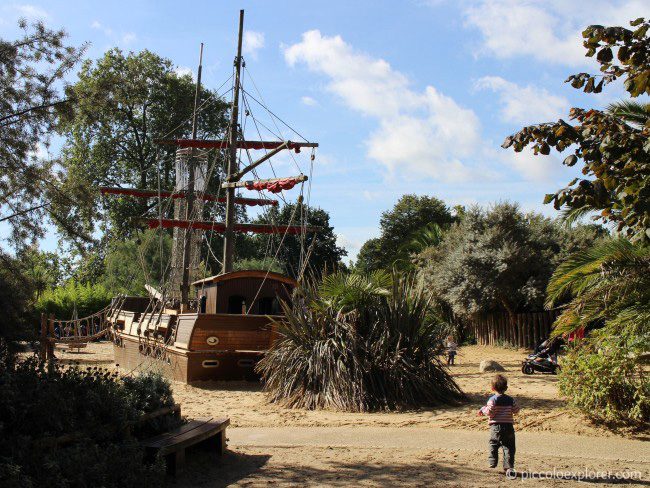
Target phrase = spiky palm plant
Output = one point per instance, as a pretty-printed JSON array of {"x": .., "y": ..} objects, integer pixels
[
  {"x": 358, "y": 344},
  {"x": 604, "y": 375},
  {"x": 610, "y": 282}
]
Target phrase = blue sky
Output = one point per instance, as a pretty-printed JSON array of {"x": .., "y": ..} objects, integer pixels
[{"x": 404, "y": 97}]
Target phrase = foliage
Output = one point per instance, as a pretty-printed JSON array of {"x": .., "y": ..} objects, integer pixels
[
  {"x": 610, "y": 283},
  {"x": 319, "y": 247},
  {"x": 43, "y": 270},
  {"x": 64, "y": 301},
  {"x": 358, "y": 343},
  {"x": 32, "y": 68},
  {"x": 124, "y": 103},
  {"x": 40, "y": 407},
  {"x": 495, "y": 259},
  {"x": 613, "y": 146},
  {"x": 632, "y": 51},
  {"x": 399, "y": 227},
  {"x": 264, "y": 264},
  {"x": 16, "y": 296},
  {"x": 605, "y": 384},
  {"x": 132, "y": 263}
]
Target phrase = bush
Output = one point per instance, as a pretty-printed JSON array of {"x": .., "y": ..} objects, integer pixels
[
  {"x": 606, "y": 384},
  {"x": 358, "y": 343},
  {"x": 62, "y": 301},
  {"x": 68, "y": 427}
]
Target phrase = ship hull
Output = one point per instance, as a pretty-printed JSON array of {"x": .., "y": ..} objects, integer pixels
[{"x": 188, "y": 366}]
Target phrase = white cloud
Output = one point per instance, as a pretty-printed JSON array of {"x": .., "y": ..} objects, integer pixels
[
  {"x": 30, "y": 11},
  {"x": 424, "y": 133},
  {"x": 97, "y": 25},
  {"x": 309, "y": 101},
  {"x": 546, "y": 30},
  {"x": 538, "y": 168},
  {"x": 184, "y": 70},
  {"x": 124, "y": 38},
  {"x": 524, "y": 105},
  {"x": 128, "y": 38},
  {"x": 253, "y": 42}
]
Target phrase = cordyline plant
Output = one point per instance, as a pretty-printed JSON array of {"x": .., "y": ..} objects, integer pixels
[
  {"x": 615, "y": 153},
  {"x": 358, "y": 343}
]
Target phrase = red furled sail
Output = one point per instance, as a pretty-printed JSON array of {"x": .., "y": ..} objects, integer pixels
[
  {"x": 273, "y": 186},
  {"x": 217, "y": 144},
  {"x": 135, "y": 192},
  {"x": 221, "y": 227}
]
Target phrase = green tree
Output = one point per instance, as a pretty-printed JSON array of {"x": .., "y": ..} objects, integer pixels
[
  {"x": 132, "y": 263},
  {"x": 398, "y": 228},
  {"x": 319, "y": 247},
  {"x": 613, "y": 145},
  {"x": 124, "y": 103},
  {"x": 32, "y": 69},
  {"x": 495, "y": 259}
]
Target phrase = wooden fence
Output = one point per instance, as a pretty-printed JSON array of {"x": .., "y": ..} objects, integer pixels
[{"x": 520, "y": 330}]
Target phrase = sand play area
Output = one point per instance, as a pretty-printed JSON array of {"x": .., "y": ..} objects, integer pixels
[{"x": 270, "y": 445}]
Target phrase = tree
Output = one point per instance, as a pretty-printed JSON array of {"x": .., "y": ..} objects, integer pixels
[
  {"x": 133, "y": 263},
  {"x": 495, "y": 259},
  {"x": 319, "y": 248},
  {"x": 32, "y": 70},
  {"x": 613, "y": 145},
  {"x": 124, "y": 103},
  {"x": 398, "y": 227}
]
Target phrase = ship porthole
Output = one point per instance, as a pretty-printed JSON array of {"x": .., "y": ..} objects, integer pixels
[
  {"x": 246, "y": 363},
  {"x": 210, "y": 363},
  {"x": 212, "y": 340}
]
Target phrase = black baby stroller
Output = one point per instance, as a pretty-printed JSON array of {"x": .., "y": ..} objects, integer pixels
[{"x": 544, "y": 359}]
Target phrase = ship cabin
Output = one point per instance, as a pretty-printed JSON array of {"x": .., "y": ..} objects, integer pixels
[{"x": 247, "y": 292}]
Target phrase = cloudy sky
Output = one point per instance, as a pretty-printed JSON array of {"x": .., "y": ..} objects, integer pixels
[{"x": 408, "y": 96}]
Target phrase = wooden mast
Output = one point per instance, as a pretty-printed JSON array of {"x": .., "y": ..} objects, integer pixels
[
  {"x": 229, "y": 237},
  {"x": 189, "y": 197}
]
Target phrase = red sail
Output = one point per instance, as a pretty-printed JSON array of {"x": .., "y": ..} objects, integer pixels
[
  {"x": 221, "y": 227},
  {"x": 272, "y": 186},
  {"x": 135, "y": 192}
]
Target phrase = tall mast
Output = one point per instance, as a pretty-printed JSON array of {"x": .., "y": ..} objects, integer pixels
[
  {"x": 187, "y": 247},
  {"x": 229, "y": 238}
]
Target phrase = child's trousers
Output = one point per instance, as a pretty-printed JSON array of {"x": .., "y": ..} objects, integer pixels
[{"x": 502, "y": 436}]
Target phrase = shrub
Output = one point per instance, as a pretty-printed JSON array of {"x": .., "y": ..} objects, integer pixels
[
  {"x": 85, "y": 298},
  {"x": 358, "y": 343},
  {"x": 606, "y": 383},
  {"x": 68, "y": 427}
]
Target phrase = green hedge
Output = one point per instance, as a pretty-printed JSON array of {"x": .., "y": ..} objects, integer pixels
[
  {"x": 61, "y": 301},
  {"x": 38, "y": 406},
  {"x": 606, "y": 383}
]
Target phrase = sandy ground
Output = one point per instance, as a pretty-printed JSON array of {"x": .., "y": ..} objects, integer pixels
[{"x": 259, "y": 462}]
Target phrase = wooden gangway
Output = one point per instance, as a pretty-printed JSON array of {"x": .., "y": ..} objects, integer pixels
[{"x": 76, "y": 333}]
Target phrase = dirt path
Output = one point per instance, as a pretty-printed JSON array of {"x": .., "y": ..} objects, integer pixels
[
  {"x": 531, "y": 444},
  {"x": 425, "y": 447}
]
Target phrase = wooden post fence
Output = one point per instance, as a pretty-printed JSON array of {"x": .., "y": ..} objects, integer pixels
[{"x": 524, "y": 330}]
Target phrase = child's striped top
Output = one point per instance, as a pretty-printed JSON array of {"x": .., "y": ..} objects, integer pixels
[{"x": 500, "y": 409}]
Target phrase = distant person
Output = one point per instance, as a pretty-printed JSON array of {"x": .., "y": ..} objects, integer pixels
[
  {"x": 452, "y": 350},
  {"x": 500, "y": 409}
]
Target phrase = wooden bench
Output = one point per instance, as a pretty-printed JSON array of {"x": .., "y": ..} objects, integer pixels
[
  {"x": 75, "y": 345},
  {"x": 171, "y": 445}
]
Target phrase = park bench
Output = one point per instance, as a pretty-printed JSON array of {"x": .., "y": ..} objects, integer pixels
[
  {"x": 172, "y": 444},
  {"x": 75, "y": 345}
]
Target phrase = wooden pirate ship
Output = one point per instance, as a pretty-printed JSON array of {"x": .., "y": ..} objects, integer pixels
[{"x": 220, "y": 326}]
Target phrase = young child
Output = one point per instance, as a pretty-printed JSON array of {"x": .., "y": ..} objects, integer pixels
[
  {"x": 452, "y": 349},
  {"x": 500, "y": 409}
]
